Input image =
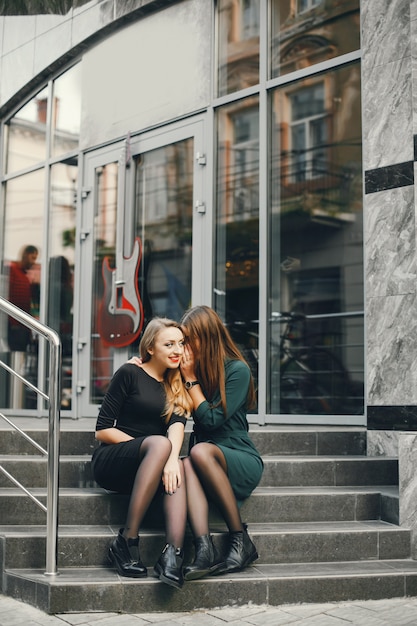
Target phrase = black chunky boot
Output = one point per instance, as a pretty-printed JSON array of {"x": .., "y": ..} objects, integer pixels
[
  {"x": 124, "y": 554},
  {"x": 242, "y": 552},
  {"x": 168, "y": 567},
  {"x": 207, "y": 560}
]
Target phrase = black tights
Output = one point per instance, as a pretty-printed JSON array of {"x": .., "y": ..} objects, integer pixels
[
  {"x": 153, "y": 455},
  {"x": 206, "y": 476}
]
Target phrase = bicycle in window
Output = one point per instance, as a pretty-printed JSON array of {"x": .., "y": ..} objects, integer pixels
[
  {"x": 304, "y": 379},
  {"x": 307, "y": 379}
]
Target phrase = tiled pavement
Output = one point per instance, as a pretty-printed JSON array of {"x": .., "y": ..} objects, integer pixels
[{"x": 396, "y": 612}]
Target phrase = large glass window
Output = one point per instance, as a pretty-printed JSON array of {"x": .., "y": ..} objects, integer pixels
[
  {"x": 39, "y": 229},
  {"x": 316, "y": 354},
  {"x": 306, "y": 32},
  {"x": 66, "y": 112},
  {"x": 26, "y": 134},
  {"x": 236, "y": 286},
  {"x": 163, "y": 224},
  {"x": 23, "y": 258},
  {"x": 238, "y": 44}
]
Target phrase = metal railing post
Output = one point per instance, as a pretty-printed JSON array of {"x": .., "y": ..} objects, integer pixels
[
  {"x": 52, "y": 453},
  {"x": 53, "y": 457}
]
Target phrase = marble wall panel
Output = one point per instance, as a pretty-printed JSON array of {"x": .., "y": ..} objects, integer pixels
[
  {"x": 414, "y": 69},
  {"x": 51, "y": 45},
  {"x": 16, "y": 70},
  {"x": 89, "y": 18},
  {"x": 407, "y": 463},
  {"x": 413, "y": 10},
  {"x": 18, "y": 31},
  {"x": 55, "y": 36},
  {"x": 385, "y": 31},
  {"x": 387, "y": 114},
  {"x": 382, "y": 443},
  {"x": 46, "y": 22},
  {"x": 391, "y": 324},
  {"x": 390, "y": 242}
]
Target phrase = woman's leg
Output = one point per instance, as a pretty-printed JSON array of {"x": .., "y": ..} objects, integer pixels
[
  {"x": 175, "y": 513},
  {"x": 210, "y": 468},
  {"x": 197, "y": 504},
  {"x": 169, "y": 566},
  {"x": 124, "y": 551},
  {"x": 153, "y": 454},
  {"x": 207, "y": 560}
]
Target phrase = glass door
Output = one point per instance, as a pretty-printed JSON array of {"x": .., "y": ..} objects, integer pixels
[{"x": 144, "y": 213}]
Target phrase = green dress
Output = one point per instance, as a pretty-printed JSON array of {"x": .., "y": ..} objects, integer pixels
[{"x": 230, "y": 433}]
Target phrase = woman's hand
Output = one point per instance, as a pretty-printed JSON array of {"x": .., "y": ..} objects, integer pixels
[
  {"x": 136, "y": 360},
  {"x": 187, "y": 365},
  {"x": 171, "y": 476}
]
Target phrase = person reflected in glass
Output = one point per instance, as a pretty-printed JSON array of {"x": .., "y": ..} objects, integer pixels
[
  {"x": 140, "y": 428},
  {"x": 21, "y": 294},
  {"x": 223, "y": 465}
]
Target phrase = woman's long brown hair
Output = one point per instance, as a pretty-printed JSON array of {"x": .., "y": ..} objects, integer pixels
[
  {"x": 212, "y": 344},
  {"x": 177, "y": 398}
]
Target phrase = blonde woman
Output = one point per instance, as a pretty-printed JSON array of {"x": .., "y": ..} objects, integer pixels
[{"x": 140, "y": 428}]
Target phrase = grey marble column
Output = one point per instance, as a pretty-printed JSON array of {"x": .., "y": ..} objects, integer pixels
[
  {"x": 389, "y": 126},
  {"x": 407, "y": 458}
]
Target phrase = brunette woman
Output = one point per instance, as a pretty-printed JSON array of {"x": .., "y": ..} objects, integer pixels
[
  {"x": 223, "y": 465},
  {"x": 141, "y": 429}
]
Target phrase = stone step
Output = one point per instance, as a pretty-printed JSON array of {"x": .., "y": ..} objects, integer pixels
[
  {"x": 24, "y": 546},
  {"x": 75, "y": 471},
  {"x": 77, "y": 437},
  {"x": 79, "y": 590},
  {"x": 266, "y": 504}
]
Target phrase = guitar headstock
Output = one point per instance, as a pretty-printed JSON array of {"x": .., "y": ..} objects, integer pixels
[{"x": 126, "y": 153}]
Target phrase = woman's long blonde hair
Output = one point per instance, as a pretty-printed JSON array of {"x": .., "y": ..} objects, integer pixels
[
  {"x": 211, "y": 342},
  {"x": 177, "y": 398}
]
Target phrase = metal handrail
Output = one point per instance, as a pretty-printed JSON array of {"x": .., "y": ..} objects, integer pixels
[{"x": 52, "y": 452}]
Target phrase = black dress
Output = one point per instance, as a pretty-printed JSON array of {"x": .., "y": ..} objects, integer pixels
[{"x": 134, "y": 404}]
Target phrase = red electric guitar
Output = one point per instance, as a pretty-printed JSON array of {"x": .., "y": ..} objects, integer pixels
[{"x": 120, "y": 319}]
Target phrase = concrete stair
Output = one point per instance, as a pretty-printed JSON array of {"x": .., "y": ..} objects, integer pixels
[{"x": 324, "y": 520}]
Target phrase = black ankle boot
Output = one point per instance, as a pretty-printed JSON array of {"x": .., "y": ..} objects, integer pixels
[
  {"x": 242, "y": 552},
  {"x": 168, "y": 567},
  {"x": 124, "y": 554},
  {"x": 207, "y": 560}
]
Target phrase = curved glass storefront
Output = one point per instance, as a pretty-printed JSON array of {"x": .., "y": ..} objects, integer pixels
[{"x": 251, "y": 203}]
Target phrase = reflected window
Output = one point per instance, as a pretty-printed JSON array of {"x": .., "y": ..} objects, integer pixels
[
  {"x": 308, "y": 133},
  {"x": 307, "y": 32},
  {"x": 316, "y": 354},
  {"x": 237, "y": 228},
  {"x": 238, "y": 45},
  {"x": 66, "y": 111},
  {"x": 306, "y": 5},
  {"x": 26, "y": 134}
]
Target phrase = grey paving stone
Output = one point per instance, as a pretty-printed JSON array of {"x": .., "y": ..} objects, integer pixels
[
  {"x": 159, "y": 618},
  {"x": 358, "y": 615},
  {"x": 233, "y": 614},
  {"x": 76, "y": 619},
  {"x": 274, "y": 617},
  {"x": 395, "y": 612}
]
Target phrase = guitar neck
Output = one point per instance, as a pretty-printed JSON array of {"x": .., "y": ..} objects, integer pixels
[{"x": 123, "y": 164}]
